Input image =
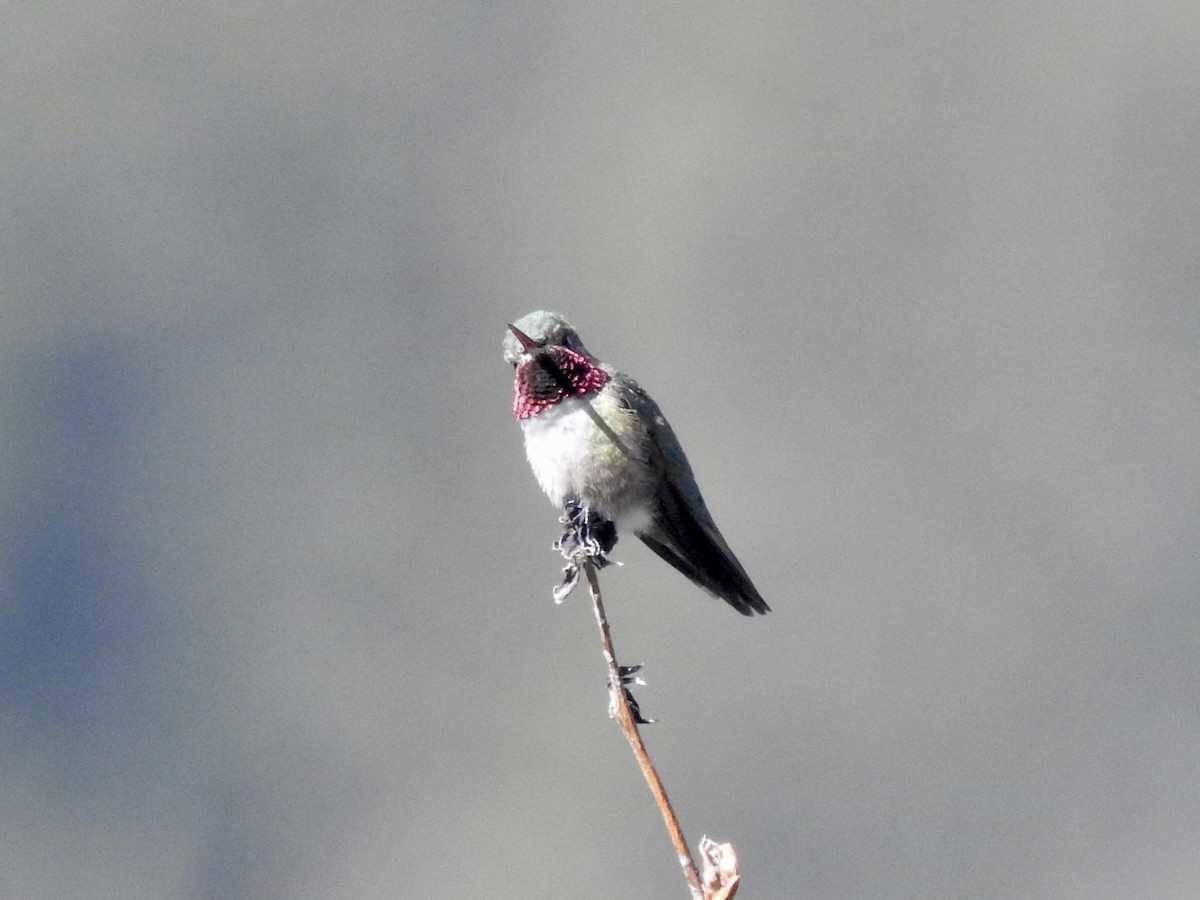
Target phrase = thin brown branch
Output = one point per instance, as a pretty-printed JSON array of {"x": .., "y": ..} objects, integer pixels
[{"x": 624, "y": 717}]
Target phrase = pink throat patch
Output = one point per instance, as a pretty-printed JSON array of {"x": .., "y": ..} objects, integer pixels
[{"x": 535, "y": 388}]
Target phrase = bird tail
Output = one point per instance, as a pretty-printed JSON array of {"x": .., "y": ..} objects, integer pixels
[{"x": 697, "y": 549}]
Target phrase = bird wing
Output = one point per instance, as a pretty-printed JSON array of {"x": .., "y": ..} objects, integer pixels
[{"x": 682, "y": 530}]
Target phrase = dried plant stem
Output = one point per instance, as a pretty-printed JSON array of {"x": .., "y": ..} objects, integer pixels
[{"x": 625, "y": 719}]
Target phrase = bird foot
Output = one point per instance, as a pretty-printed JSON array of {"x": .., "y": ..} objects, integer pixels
[{"x": 585, "y": 534}]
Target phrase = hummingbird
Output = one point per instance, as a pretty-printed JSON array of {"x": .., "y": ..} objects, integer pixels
[{"x": 597, "y": 442}]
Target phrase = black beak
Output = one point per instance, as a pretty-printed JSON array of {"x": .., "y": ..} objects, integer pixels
[{"x": 527, "y": 342}]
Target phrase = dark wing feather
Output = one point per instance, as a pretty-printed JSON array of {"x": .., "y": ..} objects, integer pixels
[
  {"x": 682, "y": 531},
  {"x": 707, "y": 560}
]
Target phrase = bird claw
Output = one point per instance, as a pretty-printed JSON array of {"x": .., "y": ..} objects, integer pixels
[{"x": 587, "y": 535}]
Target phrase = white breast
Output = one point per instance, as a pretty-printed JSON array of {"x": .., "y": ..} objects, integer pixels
[{"x": 557, "y": 441}]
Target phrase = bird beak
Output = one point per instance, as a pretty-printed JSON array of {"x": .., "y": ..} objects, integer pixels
[{"x": 527, "y": 342}]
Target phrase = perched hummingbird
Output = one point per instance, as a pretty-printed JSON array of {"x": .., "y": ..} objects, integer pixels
[{"x": 596, "y": 440}]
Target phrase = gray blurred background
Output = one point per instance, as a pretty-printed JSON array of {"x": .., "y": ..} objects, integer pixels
[{"x": 916, "y": 284}]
